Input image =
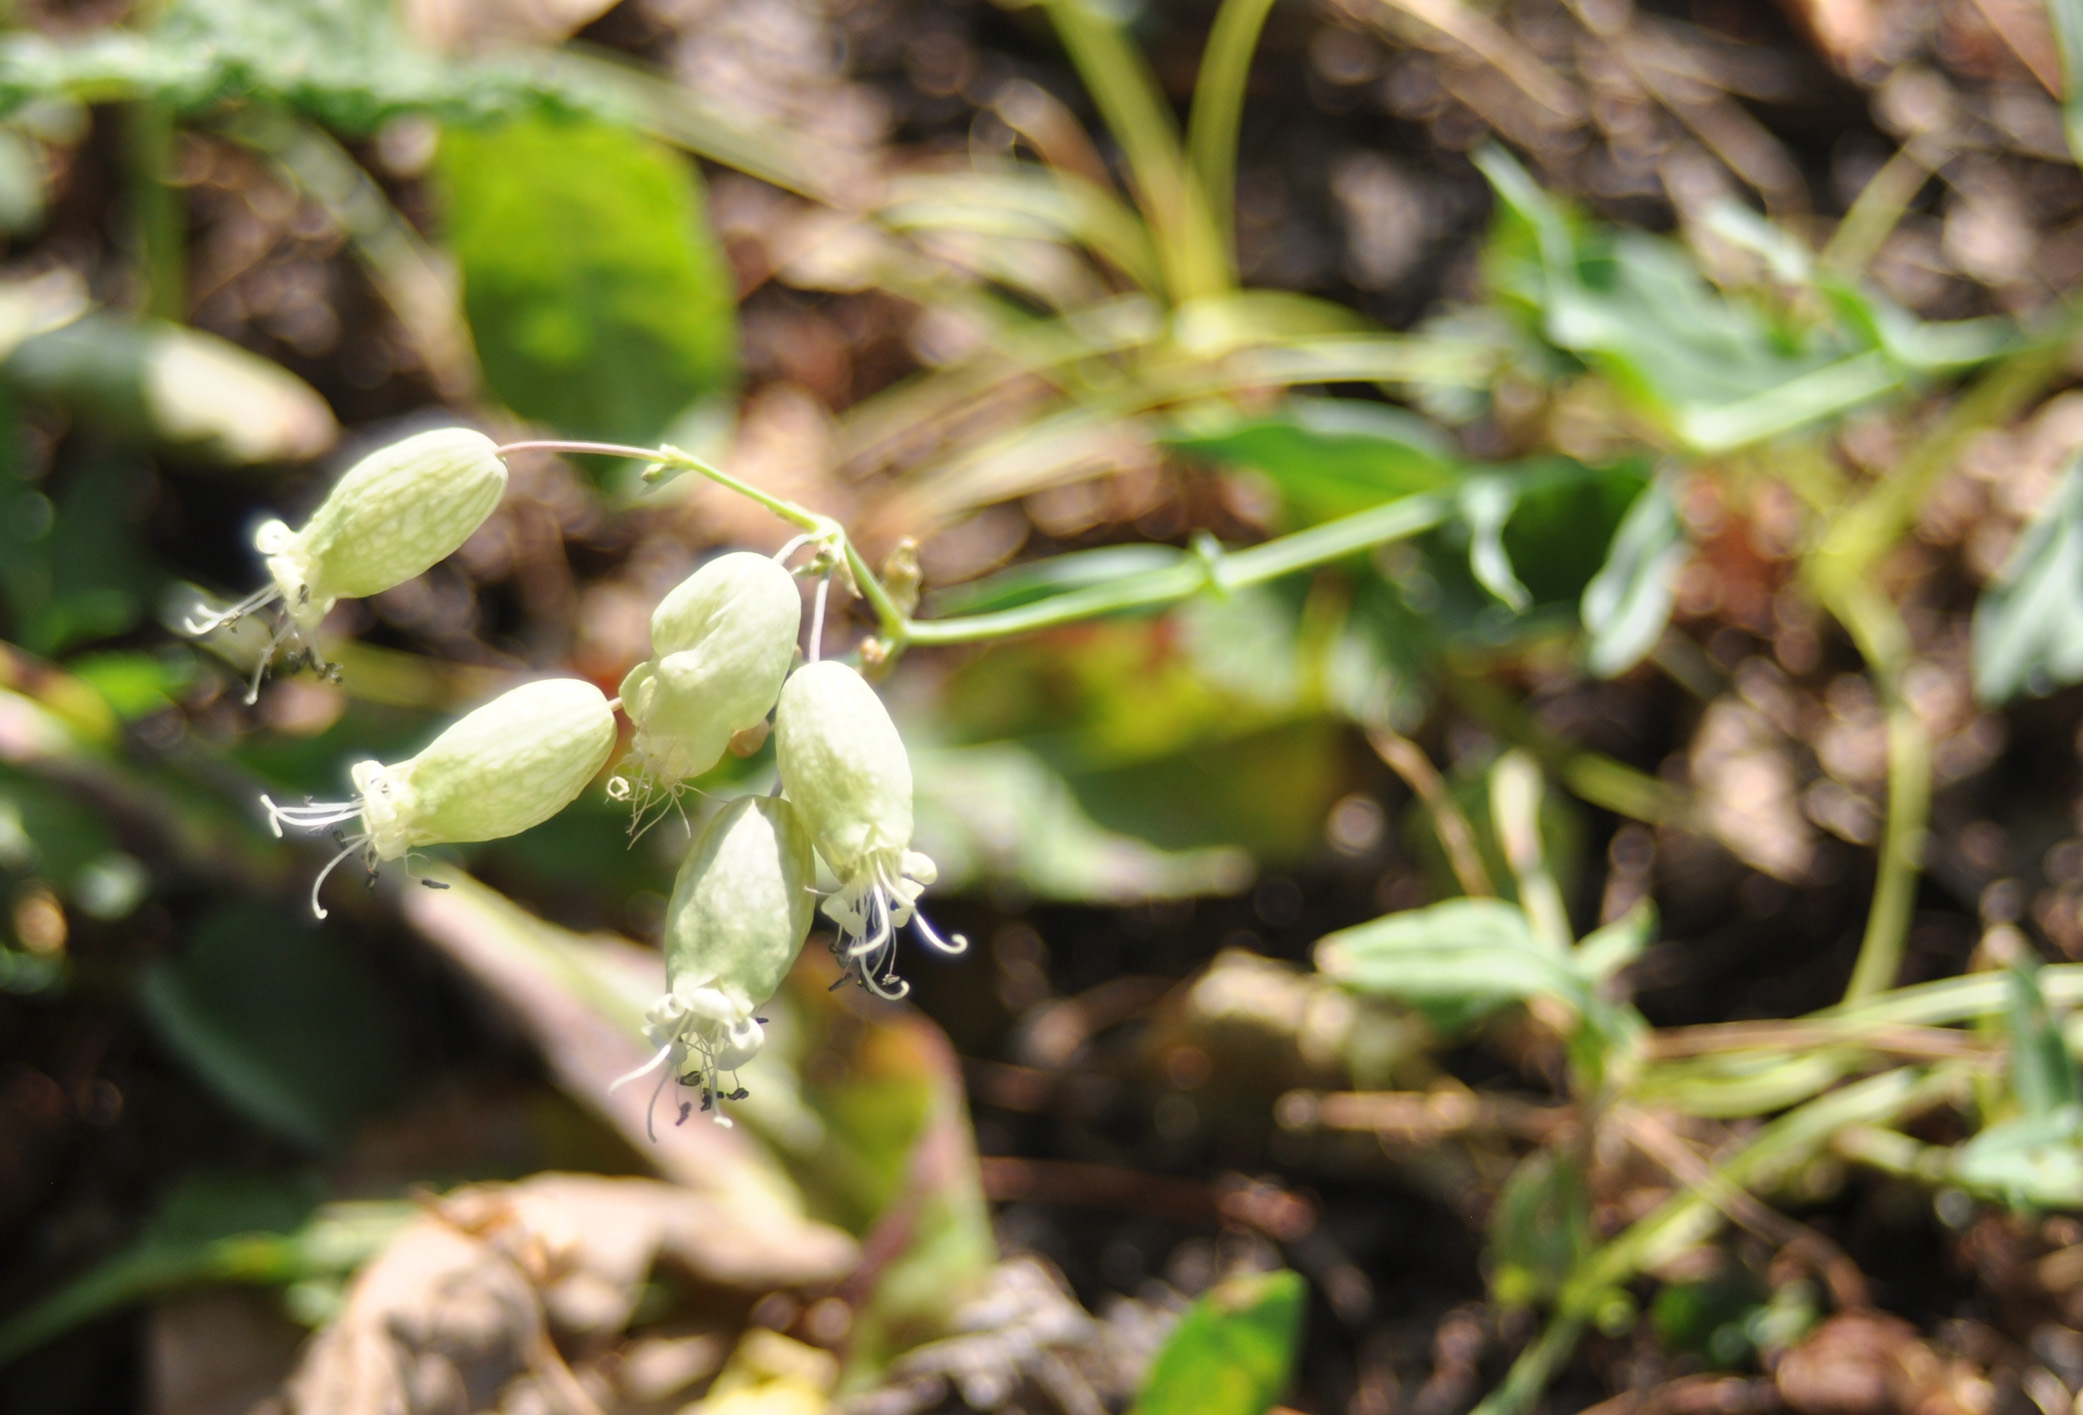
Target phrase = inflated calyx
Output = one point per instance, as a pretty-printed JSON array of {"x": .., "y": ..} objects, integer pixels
[
  {"x": 741, "y": 908},
  {"x": 721, "y": 643},
  {"x": 845, "y": 767},
  {"x": 395, "y": 513},
  {"x": 509, "y": 765}
]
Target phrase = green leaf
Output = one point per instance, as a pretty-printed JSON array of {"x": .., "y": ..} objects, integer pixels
[
  {"x": 279, "y": 1020},
  {"x": 1627, "y": 604},
  {"x": 1607, "y": 951},
  {"x": 217, "y": 1229},
  {"x": 2043, "y": 1074},
  {"x": 600, "y": 301},
  {"x": 1466, "y": 951},
  {"x": 1540, "y": 1229},
  {"x": 1717, "y": 370},
  {"x": 1330, "y": 457},
  {"x": 1487, "y": 504},
  {"x": 996, "y": 813},
  {"x": 1232, "y": 1352},
  {"x": 2028, "y": 623},
  {"x": 167, "y": 386},
  {"x": 2035, "y": 1161}
]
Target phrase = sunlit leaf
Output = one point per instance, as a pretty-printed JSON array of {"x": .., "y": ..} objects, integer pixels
[
  {"x": 1330, "y": 457},
  {"x": 1627, "y": 604},
  {"x": 1232, "y": 1351},
  {"x": 2028, "y": 624},
  {"x": 2043, "y": 1074},
  {"x": 600, "y": 300}
]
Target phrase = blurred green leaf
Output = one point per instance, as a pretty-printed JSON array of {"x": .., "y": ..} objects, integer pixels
[
  {"x": 1459, "y": 951},
  {"x": 1717, "y": 370},
  {"x": 867, "y": 1113},
  {"x": 2043, "y": 1074},
  {"x": 1232, "y": 1352},
  {"x": 1038, "y": 580},
  {"x": 217, "y": 1229},
  {"x": 279, "y": 1020},
  {"x": 190, "y": 392},
  {"x": 2028, "y": 623},
  {"x": 2034, "y": 1161},
  {"x": 1627, "y": 604},
  {"x": 996, "y": 814},
  {"x": 1540, "y": 1229},
  {"x": 1605, "y": 952},
  {"x": 1486, "y": 505},
  {"x": 601, "y": 303},
  {"x": 1329, "y": 457},
  {"x": 2067, "y": 18}
]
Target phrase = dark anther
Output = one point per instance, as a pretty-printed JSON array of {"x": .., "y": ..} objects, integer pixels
[
  {"x": 686, "y": 1109},
  {"x": 738, "y": 1095},
  {"x": 434, "y": 883}
]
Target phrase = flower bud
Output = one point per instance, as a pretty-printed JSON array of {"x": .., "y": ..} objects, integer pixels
[
  {"x": 741, "y": 909},
  {"x": 845, "y": 767},
  {"x": 721, "y": 643},
  {"x": 395, "y": 513},
  {"x": 511, "y": 764}
]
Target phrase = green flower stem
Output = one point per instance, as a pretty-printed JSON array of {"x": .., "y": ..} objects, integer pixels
[{"x": 1876, "y": 627}]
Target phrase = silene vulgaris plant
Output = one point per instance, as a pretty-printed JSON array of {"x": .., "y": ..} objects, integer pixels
[{"x": 723, "y": 643}]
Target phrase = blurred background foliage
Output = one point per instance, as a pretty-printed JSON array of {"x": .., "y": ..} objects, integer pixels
[{"x": 1486, "y": 599}]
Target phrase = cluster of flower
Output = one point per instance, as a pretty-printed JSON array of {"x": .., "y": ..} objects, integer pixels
[{"x": 723, "y": 646}]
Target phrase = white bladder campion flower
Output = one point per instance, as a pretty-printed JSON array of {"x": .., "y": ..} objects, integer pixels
[
  {"x": 509, "y": 765},
  {"x": 740, "y": 911},
  {"x": 845, "y": 767},
  {"x": 721, "y": 643},
  {"x": 395, "y": 513}
]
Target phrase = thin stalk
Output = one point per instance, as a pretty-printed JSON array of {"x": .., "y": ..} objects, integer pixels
[
  {"x": 1883, "y": 639},
  {"x": 1688, "y": 1216},
  {"x": 1135, "y": 111},
  {"x": 156, "y": 213},
  {"x": 1218, "y": 113},
  {"x": 1211, "y": 569}
]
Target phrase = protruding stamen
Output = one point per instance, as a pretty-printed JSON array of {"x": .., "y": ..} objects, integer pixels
[
  {"x": 664, "y": 1054},
  {"x": 353, "y": 844},
  {"x": 869, "y": 946},
  {"x": 312, "y": 816},
  {"x": 232, "y": 614},
  {"x": 953, "y": 943}
]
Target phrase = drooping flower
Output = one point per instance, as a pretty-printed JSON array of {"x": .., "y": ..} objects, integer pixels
[
  {"x": 721, "y": 643},
  {"x": 845, "y": 767},
  {"x": 392, "y": 516},
  {"x": 509, "y": 765},
  {"x": 741, "y": 908}
]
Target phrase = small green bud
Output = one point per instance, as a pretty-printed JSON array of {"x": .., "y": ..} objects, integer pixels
[
  {"x": 721, "y": 643},
  {"x": 845, "y": 767},
  {"x": 509, "y": 765},
  {"x": 741, "y": 909}
]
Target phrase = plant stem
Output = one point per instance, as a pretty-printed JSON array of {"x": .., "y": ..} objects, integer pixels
[
  {"x": 1212, "y": 568},
  {"x": 1218, "y": 112}
]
